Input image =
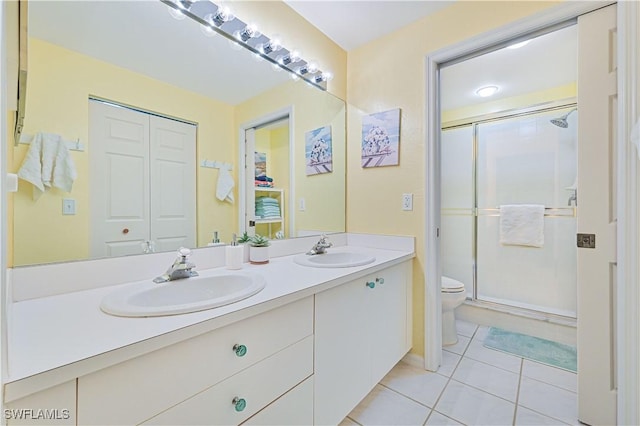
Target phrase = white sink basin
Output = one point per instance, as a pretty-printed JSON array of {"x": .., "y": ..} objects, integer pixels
[
  {"x": 181, "y": 296},
  {"x": 334, "y": 260}
]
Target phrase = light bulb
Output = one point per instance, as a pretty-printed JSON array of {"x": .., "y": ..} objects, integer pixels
[
  {"x": 272, "y": 45},
  {"x": 207, "y": 30},
  {"x": 518, "y": 45},
  {"x": 291, "y": 58},
  {"x": 312, "y": 67},
  {"x": 247, "y": 33},
  {"x": 176, "y": 13},
  {"x": 222, "y": 15}
]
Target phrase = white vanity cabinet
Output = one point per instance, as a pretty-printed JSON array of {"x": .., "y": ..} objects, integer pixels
[
  {"x": 53, "y": 406},
  {"x": 195, "y": 381},
  {"x": 362, "y": 329}
]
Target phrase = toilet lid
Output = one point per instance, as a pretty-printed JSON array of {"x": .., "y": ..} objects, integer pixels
[{"x": 449, "y": 285}]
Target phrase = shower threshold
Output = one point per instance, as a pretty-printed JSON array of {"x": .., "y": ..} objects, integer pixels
[{"x": 523, "y": 312}]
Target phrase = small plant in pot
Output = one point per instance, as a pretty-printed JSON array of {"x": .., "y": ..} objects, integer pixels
[
  {"x": 244, "y": 238},
  {"x": 259, "y": 251}
]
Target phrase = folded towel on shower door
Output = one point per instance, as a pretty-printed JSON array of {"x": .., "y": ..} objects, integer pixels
[{"x": 522, "y": 225}]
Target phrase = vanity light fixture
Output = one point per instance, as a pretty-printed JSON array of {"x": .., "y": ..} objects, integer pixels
[
  {"x": 326, "y": 76},
  {"x": 218, "y": 19},
  {"x": 222, "y": 15},
  {"x": 290, "y": 58},
  {"x": 270, "y": 46},
  {"x": 486, "y": 91},
  {"x": 247, "y": 33}
]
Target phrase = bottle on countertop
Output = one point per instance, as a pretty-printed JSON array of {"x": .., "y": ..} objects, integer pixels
[
  {"x": 234, "y": 254},
  {"x": 215, "y": 241}
]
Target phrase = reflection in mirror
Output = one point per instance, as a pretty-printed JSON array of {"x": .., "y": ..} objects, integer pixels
[{"x": 134, "y": 54}]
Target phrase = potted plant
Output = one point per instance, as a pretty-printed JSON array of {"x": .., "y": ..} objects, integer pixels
[
  {"x": 244, "y": 238},
  {"x": 259, "y": 249}
]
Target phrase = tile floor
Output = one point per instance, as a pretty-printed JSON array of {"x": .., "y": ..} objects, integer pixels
[{"x": 474, "y": 386}]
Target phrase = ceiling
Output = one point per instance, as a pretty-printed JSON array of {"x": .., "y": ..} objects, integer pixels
[{"x": 353, "y": 23}]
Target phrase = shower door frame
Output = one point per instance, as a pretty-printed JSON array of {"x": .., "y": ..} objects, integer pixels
[{"x": 474, "y": 122}]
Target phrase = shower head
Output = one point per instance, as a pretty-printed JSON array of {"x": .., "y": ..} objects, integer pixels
[{"x": 562, "y": 121}]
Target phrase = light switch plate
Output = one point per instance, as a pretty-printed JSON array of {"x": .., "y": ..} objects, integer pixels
[
  {"x": 302, "y": 205},
  {"x": 407, "y": 202},
  {"x": 68, "y": 206}
]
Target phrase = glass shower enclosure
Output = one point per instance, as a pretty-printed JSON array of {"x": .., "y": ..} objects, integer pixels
[{"x": 521, "y": 158}]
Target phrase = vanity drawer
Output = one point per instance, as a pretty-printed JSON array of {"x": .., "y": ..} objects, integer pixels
[
  {"x": 294, "y": 408},
  {"x": 252, "y": 389},
  {"x": 138, "y": 389}
]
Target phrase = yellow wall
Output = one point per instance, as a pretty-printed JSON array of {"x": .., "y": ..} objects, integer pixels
[
  {"x": 390, "y": 73},
  {"x": 60, "y": 82},
  {"x": 325, "y": 193},
  {"x": 568, "y": 91}
]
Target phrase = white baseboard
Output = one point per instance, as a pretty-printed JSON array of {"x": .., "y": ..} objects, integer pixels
[{"x": 414, "y": 360}]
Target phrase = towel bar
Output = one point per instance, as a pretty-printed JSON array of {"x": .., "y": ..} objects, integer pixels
[{"x": 71, "y": 145}]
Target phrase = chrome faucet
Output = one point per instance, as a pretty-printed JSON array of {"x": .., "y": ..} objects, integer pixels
[
  {"x": 180, "y": 268},
  {"x": 320, "y": 247}
]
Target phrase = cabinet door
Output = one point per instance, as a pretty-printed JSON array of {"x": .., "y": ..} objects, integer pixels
[
  {"x": 388, "y": 320},
  {"x": 53, "y": 406},
  {"x": 342, "y": 362},
  {"x": 293, "y": 408}
]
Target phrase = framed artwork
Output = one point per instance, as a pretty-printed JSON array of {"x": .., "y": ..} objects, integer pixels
[
  {"x": 381, "y": 138},
  {"x": 260, "y": 161},
  {"x": 317, "y": 151}
]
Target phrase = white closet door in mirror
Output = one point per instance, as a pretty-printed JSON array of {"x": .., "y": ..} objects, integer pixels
[{"x": 142, "y": 182}]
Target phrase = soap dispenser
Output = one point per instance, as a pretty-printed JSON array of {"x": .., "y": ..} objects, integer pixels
[
  {"x": 234, "y": 254},
  {"x": 215, "y": 241}
]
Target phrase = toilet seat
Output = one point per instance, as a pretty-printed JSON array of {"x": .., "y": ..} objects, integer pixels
[{"x": 449, "y": 285}]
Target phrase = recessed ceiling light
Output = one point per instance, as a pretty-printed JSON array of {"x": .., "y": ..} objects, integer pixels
[
  {"x": 486, "y": 91},
  {"x": 518, "y": 45}
]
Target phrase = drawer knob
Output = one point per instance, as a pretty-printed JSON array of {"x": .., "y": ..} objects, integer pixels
[
  {"x": 240, "y": 350},
  {"x": 239, "y": 403},
  {"x": 371, "y": 284},
  {"x": 380, "y": 280}
]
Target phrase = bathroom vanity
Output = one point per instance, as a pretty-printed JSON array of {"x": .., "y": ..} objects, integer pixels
[{"x": 305, "y": 350}]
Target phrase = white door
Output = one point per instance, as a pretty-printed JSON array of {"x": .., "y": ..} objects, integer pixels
[
  {"x": 250, "y": 173},
  {"x": 173, "y": 184},
  {"x": 597, "y": 94},
  {"x": 119, "y": 171},
  {"x": 143, "y": 181}
]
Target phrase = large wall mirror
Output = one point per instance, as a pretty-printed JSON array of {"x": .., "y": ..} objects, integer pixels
[{"x": 134, "y": 56}]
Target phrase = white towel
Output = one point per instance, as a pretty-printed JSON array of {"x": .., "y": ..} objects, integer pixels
[
  {"x": 522, "y": 225},
  {"x": 224, "y": 189},
  {"x": 48, "y": 163}
]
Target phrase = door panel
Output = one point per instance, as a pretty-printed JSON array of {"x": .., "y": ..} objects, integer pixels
[
  {"x": 119, "y": 144},
  {"x": 173, "y": 198},
  {"x": 597, "y": 95}
]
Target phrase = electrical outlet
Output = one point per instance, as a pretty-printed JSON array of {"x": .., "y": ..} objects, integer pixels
[
  {"x": 407, "y": 202},
  {"x": 68, "y": 206}
]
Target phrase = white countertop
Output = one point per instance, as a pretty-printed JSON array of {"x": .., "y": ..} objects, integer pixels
[{"x": 57, "y": 338}]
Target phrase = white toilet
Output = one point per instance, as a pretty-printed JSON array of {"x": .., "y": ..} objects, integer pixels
[{"x": 453, "y": 294}]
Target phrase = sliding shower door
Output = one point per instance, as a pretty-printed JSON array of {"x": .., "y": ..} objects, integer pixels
[
  {"x": 527, "y": 160},
  {"x": 520, "y": 159}
]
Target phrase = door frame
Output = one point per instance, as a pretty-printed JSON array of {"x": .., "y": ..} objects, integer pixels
[
  {"x": 287, "y": 112},
  {"x": 627, "y": 174}
]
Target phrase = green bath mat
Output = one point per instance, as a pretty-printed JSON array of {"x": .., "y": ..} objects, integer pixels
[{"x": 533, "y": 348}]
